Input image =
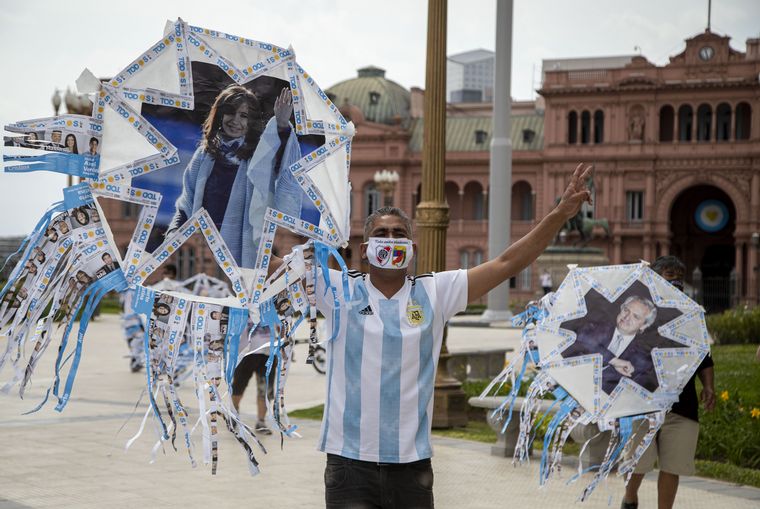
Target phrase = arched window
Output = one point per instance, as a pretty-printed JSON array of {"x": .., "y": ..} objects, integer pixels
[
  {"x": 186, "y": 262},
  {"x": 522, "y": 201},
  {"x": 129, "y": 210},
  {"x": 372, "y": 199},
  {"x": 469, "y": 258},
  {"x": 416, "y": 199},
  {"x": 473, "y": 201},
  {"x": 685, "y": 119},
  {"x": 723, "y": 122},
  {"x": 704, "y": 122},
  {"x": 572, "y": 128},
  {"x": 454, "y": 201},
  {"x": 666, "y": 123},
  {"x": 743, "y": 121},
  {"x": 598, "y": 126},
  {"x": 464, "y": 259},
  {"x": 585, "y": 127}
]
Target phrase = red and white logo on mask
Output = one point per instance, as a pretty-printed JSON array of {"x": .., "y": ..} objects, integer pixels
[{"x": 388, "y": 253}]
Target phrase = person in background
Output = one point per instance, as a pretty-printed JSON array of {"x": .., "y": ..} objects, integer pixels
[
  {"x": 675, "y": 444},
  {"x": 255, "y": 364},
  {"x": 546, "y": 281}
]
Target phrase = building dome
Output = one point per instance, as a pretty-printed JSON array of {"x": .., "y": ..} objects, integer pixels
[{"x": 378, "y": 98}]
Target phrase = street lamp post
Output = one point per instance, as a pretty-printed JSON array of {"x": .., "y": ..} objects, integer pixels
[
  {"x": 449, "y": 401},
  {"x": 386, "y": 182},
  {"x": 56, "y": 101}
]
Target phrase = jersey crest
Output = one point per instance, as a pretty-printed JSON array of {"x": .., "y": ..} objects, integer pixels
[{"x": 414, "y": 314}]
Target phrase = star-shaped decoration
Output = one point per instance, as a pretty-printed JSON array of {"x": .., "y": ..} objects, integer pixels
[{"x": 646, "y": 337}]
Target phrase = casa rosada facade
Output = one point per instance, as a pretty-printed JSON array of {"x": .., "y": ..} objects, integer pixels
[{"x": 675, "y": 149}]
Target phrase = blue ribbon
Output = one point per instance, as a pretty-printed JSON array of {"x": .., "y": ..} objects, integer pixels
[
  {"x": 113, "y": 281},
  {"x": 238, "y": 319},
  {"x": 510, "y": 399},
  {"x": 143, "y": 305},
  {"x": 28, "y": 242},
  {"x": 322, "y": 253},
  {"x": 78, "y": 165},
  {"x": 568, "y": 405}
]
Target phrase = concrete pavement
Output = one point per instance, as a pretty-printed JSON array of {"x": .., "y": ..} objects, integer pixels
[{"x": 76, "y": 459}]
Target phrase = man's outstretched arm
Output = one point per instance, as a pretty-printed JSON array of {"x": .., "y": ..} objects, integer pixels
[{"x": 488, "y": 275}]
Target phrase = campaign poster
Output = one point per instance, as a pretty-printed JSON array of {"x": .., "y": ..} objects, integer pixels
[
  {"x": 234, "y": 149},
  {"x": 624, "y": 332}
]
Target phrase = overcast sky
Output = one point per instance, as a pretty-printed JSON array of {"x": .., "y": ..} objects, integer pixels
[{"x": 48, "y": 43}]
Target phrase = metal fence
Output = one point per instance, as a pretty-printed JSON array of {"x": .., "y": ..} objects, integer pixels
[{"x": 716, "y": 294}]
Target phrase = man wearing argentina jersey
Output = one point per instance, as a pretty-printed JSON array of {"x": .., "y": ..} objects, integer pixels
[{"x": 379, "y": 404}]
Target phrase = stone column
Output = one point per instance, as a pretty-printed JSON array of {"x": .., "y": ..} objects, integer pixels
[
  {"x": 738, "y": 268},
  {"x": 714, "y": 125},
  {"x": 753, "y": 289},
  {"x": 449, "y": 401},
  {"x": 500, "y": 173},
  {"x": 617, "y": 251}
]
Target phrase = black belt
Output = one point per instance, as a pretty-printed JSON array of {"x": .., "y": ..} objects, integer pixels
[{"x": 389, "y": 466}]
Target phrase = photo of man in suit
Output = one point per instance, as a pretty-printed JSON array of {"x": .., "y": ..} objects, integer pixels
[{"x": 625, "y": 342}]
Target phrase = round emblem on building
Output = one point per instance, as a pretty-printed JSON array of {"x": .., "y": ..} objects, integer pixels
[
  {"x": 706, "y": 53},
  {"x": 711, "y": 216}
]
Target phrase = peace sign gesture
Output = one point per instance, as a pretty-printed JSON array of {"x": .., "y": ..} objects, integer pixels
[{"x": 577, "y": 191}]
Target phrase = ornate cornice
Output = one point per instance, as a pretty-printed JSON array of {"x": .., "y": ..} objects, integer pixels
[
  {"x": 702, "y": 173},
  {"x": 648, "y": 87}
]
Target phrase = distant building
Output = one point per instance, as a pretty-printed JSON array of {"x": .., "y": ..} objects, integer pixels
[
  {"x": 8, "y": 246},
  {"x": 676, "y": 151},
  {"x": 469, "y": 77}
]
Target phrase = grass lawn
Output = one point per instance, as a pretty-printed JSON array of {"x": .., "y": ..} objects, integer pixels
[{"x": 737, "y": 371}]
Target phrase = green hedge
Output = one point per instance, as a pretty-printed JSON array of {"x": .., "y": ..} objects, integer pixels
[{"x": 735, "y": 326}]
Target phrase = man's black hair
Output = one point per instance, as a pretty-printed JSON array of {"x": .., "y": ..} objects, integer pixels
[
  {"x": 663, "y": 263},
  {"x": 386, "y": 211}
]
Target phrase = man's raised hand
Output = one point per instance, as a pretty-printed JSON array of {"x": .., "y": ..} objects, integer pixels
[{"x": 576, "y": 192}]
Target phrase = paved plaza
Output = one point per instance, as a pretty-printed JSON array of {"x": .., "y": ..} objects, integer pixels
[{"x": 76, "y": 459}]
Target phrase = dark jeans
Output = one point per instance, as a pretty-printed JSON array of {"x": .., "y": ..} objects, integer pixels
[{"x": 364, "y": 484}]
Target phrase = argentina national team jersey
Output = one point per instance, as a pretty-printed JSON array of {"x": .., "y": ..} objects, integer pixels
[{"x": 382, "y": 364}]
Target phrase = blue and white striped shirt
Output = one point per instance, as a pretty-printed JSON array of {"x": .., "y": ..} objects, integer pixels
[{"x": 382, "y": 365}]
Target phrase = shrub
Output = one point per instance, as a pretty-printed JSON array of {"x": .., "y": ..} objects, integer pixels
[
  {"x": 731, "y": 432},
  {"x": 735, "y": 326}
]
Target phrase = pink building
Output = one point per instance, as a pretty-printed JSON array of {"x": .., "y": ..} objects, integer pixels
[{"x": 676, "y": 151}]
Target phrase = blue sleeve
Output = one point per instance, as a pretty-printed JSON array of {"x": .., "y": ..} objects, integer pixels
[
  {"x": 184, "y": 204},
  {"x": 288, "y": 195}
]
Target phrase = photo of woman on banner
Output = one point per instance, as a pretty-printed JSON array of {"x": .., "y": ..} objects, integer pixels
[
  {"x": 234, "y": 173},
  {"x": 235, "y": 149},
  {"x": 71, "y": 144}
]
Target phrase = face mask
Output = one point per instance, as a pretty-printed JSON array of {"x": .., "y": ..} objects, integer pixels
[{"x": 389, "y": 253}]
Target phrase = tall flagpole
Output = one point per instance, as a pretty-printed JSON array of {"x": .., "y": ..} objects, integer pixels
[{"x": 500, "y": 172}]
